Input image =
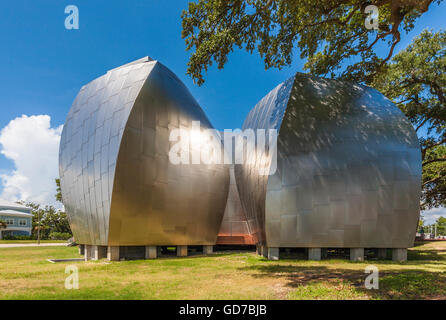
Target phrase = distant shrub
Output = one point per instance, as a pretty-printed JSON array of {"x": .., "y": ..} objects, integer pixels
[
  {"x": 11, "y": 237},
  {"x": 59, "y": 236}
]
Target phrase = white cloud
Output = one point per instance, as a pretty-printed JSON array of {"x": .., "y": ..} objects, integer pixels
[
  {"x": 430, "y": 216},
  {"x": 33, "y": 146}
]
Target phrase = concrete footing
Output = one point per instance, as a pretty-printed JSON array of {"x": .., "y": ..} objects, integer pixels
[
  {"x": 265, "y": 251},
  {"x": 399, "y": 255},
  {"x": 151, "y": 252},
  {"x": 181, "y": 251},
  {"x": 87, "y": 252},
  {"x": 81, "y": 249},
  {"x": 208, "y": 249},
  {"x": 113, "y": 253},
  {"x": 98, "y": 252},
  {"x": 314, "y": 254},
  {"x": 357, "y": 254},
  {"x": 94, "y": 252},
  {"x": 382, "y": 253},
  {"x": 273, "y": 253},
  {"x": 269, "y": 253}
]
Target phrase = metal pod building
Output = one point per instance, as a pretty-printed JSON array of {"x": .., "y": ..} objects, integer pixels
[
  {"x": 118, "y": 185},
  {"x": 348, "y": 168}
]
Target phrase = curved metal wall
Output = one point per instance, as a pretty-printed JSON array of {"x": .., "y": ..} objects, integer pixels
[
  {"x": 348, "y": 168},
  {"x": 118, "y": 185},
  {"x": 267, "y": 114},
  {"x": 235, "y": 227}
]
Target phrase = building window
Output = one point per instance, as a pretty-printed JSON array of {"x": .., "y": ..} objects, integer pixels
[
  {"x": 22, "y": 222},
  {"x": 9, "y": 221}
]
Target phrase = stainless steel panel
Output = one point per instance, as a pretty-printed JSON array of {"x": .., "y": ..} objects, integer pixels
[
  {"x": 235, "y": 227},
  {"x": 118, "y": 185},
  {"x": 348, "y": 169}
]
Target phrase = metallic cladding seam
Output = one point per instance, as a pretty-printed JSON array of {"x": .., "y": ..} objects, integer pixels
[
  {"x": 164, "y": 203},
  {"x": 267, "y": 114},
  {"x": 235, "y": 227},
  {"x": 99, "y": 136},
  {"x": 348, "y": 169},
  {"x": 89, "y": 145}
]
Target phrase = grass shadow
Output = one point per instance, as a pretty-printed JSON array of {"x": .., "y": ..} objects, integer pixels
[
  {"x": 407, "y": 280},
  {"x": 395, "y": 284}
]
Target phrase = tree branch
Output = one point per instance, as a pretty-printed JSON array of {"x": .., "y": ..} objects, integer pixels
[
  {"x": 434, "y": 160},
  {"x": 430, "y": 146},
  {"x": 432, "y": 180},
  {"x": 421, "y": 124}
]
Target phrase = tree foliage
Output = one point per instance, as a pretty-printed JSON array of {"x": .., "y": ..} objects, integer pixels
[
  {"x": 51, "y": 220},
  {"x": 441, "y": 226},
  {"x": 332, "y": 37},
  {"x": 58, "y": 191},
  {"x": 416, "y": 81},
  {"x": 421, "y": 224},
  {"x": 327, "y": 33}
]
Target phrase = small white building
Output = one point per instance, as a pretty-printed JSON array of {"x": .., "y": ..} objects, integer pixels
[{"x": 17, "y": 217}]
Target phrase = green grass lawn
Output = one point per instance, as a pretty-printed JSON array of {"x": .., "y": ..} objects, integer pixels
[{"x": 25, "y": 274}]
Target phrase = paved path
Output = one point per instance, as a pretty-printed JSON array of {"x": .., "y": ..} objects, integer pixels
[{"x": 19, "y": 245}]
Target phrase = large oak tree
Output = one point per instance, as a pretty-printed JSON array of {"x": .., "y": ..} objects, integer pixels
[
  {"x": 332, "y": 38},
  {"x": 327, "y": 33},
  {"x": 416, "y": 81}
]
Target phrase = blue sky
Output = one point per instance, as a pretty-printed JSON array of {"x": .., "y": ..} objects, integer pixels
[{"x": 43, "y": 65}]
